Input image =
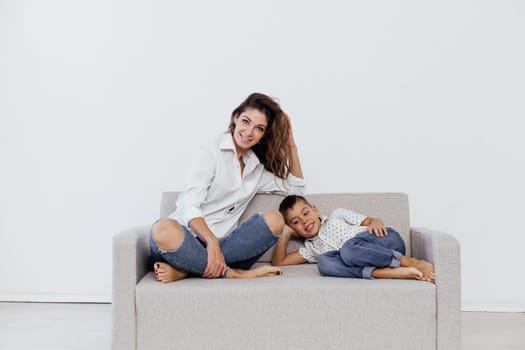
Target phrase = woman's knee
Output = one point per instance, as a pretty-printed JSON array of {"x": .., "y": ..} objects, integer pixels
[
  {"x": 168, "y": 234},
  {"x": 274, "y": 220}
]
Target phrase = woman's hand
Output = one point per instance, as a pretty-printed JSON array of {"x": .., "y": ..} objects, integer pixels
[
  {"x": 377, "y": 227},
  {"x": 216, "y": 265}
]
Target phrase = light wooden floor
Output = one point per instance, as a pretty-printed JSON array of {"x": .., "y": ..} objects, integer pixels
[{"x": 41, "y": 326}]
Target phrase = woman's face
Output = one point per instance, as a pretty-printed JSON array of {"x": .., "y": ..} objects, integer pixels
[{"x": 250, "y": 127}]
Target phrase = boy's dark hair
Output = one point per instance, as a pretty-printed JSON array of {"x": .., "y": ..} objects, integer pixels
[{"x": 289, "y": 201}]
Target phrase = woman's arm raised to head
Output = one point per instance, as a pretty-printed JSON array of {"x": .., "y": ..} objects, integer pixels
[
  {"x": 295, "y": 183},
  {"x": 295, "y": 164}
]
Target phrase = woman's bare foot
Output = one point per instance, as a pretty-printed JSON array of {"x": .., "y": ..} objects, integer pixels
[
  {"x": 426, "y": 268},
  {"x": 166, "y": 273},
  {"x": 261, "y": 271},
  {"x": 398, "y": 272}
]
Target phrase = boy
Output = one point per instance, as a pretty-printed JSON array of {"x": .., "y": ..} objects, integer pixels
[{"x": 345, "y": 244}]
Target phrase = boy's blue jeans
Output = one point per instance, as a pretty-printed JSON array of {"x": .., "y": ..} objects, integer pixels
[
  {"x": 241, "y": 248},
  {"x": 360, "y": 255}
]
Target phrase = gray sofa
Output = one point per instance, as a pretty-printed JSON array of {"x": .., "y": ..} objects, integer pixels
[{"x": 297, "y": 310}]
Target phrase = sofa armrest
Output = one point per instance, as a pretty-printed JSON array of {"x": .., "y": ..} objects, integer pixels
[
  {"x": 443, "y": 251},
  {"x": 130, "y": 258}
]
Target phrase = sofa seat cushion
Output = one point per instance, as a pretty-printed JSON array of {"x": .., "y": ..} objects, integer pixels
[{"x": 303, "y": 308}]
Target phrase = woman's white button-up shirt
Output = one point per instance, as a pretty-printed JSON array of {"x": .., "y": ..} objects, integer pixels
[{"x": 216, "y": 191}]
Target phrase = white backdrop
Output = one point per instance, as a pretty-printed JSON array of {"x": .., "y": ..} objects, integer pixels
[{"x": 102, "y": 102}]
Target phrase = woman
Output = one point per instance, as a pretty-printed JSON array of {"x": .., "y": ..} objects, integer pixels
[{"x": 202, "y": 237}]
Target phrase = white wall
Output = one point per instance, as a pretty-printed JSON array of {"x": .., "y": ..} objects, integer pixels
[{"x": 102, "y": 100}]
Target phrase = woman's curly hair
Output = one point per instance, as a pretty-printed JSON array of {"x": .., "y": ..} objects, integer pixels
[{"x": 273, "y": 149}]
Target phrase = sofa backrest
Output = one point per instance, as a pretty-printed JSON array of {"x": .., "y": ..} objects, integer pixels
[{"x": 392, "y": 208}]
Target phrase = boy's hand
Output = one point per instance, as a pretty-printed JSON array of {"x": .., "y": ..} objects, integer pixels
[
  {"x": 378, "y": 228},
  {"x": 288, "y": 232}
]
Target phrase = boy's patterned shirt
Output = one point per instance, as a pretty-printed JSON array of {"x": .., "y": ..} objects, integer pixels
[{"x": 335, "y": 230}]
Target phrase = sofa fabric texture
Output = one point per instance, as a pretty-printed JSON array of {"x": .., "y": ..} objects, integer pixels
[{"x": 299, "y": 309}]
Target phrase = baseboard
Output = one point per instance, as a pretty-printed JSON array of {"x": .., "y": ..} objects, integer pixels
[
  {"x": 472, "y": 307},
  {"x": 55, "y": 298},
  {"x": 104, "y": 299}
]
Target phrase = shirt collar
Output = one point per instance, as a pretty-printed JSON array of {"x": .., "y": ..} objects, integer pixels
[
  {"x": 226, "y": 141},
  {"x": 249, "y": 157},
  {"x": 323, "y": 219}
]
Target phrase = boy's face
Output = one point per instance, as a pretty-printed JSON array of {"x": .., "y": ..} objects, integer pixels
[{"x": 304, "y": 219}]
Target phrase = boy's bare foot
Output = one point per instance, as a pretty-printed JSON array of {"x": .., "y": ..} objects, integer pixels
[
  {"x": 166, "y": 273},
  {"x": 426, "y": 268},
  {"x": 261, "y": 271},
  {"x": 398, "y": 272}
]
